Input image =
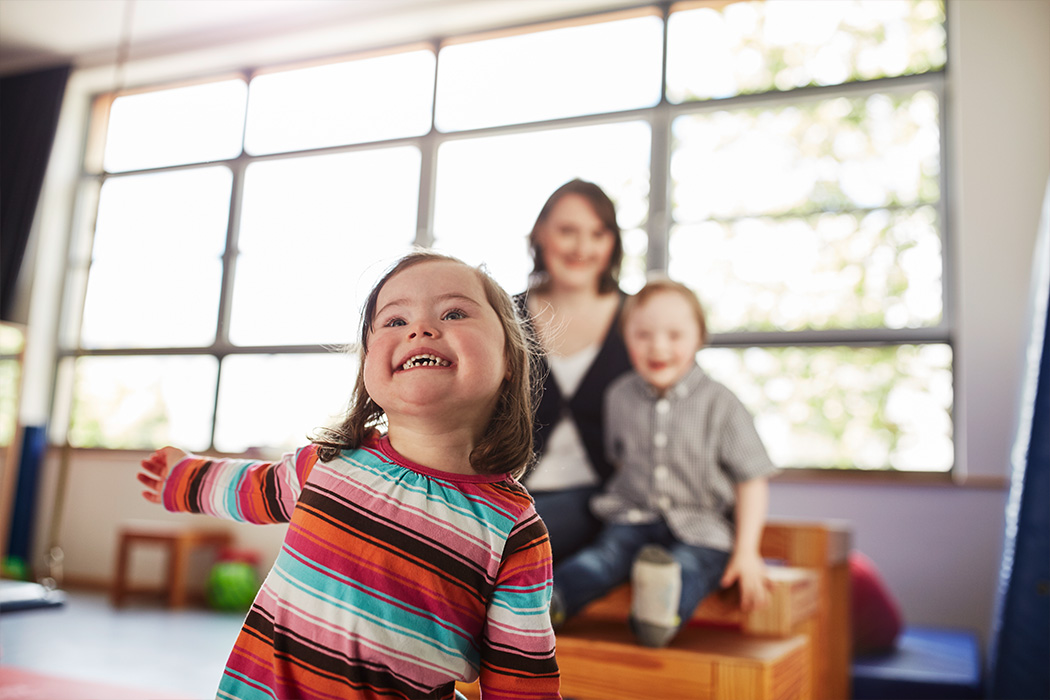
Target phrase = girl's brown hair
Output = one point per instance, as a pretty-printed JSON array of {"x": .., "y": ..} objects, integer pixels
[
  {"x": 656, "y": 285},
  {"x": 604, "y": 209},
  {"x": 506, "y": 445}
]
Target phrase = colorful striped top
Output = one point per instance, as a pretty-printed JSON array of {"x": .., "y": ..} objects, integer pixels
[{"x": 394, "y": 580}]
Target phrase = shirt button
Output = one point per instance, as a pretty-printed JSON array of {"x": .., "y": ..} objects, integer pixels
[
  {"x": 664, "y": 502},
  {"x": 660, "y": 439},
  {"x": 663, "y": 406},
  {"x": 635, "y": 516},
  {"x": 660, "y": 472}
]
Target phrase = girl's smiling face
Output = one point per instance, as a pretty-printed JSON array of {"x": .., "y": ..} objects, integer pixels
[{"x": 436, "y": 346}]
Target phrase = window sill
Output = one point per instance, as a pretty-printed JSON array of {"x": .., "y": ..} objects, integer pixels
[{"x": 880, "y": 477}]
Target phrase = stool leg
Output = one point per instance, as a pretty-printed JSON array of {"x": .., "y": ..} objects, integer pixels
[
  {"x": 120, "y": 582},
  {"x": 177, "y": 572}
]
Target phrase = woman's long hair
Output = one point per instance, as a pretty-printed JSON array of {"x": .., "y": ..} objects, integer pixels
[{"x": 505, "y": 446}]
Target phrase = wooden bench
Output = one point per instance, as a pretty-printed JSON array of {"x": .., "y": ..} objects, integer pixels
[
  {"x": 601, "y": 660},
  {"x": 796, "y": 648},
  {"x": 794, "y": 597},
  {"x": 178, "y": 540},
  {"x": 823, "y": 547}
]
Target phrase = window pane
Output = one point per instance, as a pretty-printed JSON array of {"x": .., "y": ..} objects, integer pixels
[
  {"x": 182, "y": 213},
  {"x": 604, "y": 67},
  {"x": 855, "y": 270},
  {"x": 841, "y": 407},
  {"x": 12, "y": 342},
  {"x": 10, "y": 378},
  {"x": 143, "y": 402},
  {"x": 483, "y": 218},
  {"x": 827, "y": 155},
  {"x": 274, "y": 402},
  {"x": 341, "y": 103},
  {"x": 749, "y": 47},
  {"x": 315, "y": 233},
  {"x": 169, "y": 127},
  {"x": 156, "y": 273}
]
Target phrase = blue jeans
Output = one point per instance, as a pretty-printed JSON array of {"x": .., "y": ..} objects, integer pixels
[
  {"x": 567, "y": 515},
  {"x": 596, "y": 570}
]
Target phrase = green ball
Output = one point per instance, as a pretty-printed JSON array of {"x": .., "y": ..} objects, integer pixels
[
  {"x": 232, "y": 586},
  {"x": 14, "y": 568}
]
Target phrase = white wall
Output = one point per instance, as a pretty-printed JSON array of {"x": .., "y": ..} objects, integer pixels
[{"x": 938, "y": 547}]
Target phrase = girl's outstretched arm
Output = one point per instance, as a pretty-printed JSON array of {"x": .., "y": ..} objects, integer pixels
[
  {"x": 157, "y": 466},
  {"x": 237, "y": 489}
]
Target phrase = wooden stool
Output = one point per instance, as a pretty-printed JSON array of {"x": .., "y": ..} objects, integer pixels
[
  {"x": 793, "y": 601},
  {"x": 602, "y": 660},
  {"x": 179, "y": 540},
  {"x": 759, "y": 657},
  {"x": 761, "y": 654}
]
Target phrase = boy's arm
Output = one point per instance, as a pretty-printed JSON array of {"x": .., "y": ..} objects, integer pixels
[
  {"x": 517, "y": 653},
  {"x": 236, "y": 489},
  {"x": 745, "y": 564}
]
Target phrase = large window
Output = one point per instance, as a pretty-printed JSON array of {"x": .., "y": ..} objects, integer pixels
[{"x": 782, "y": 158}]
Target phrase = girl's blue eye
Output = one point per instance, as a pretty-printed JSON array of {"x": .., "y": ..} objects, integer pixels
[
  {"x": 394, "y": 322},
  {"x": 454, "y": 315}
]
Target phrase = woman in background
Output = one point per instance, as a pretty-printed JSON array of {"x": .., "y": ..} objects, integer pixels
[{"x": 572, "y": 306}]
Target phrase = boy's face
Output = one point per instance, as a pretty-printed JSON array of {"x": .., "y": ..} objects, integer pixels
[{"x": 662, "y": 339}]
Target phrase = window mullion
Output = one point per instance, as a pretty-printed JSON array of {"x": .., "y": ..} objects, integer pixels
[
  {"x": 657, "y": 257},
  {"x": 428, "y": 146},
  {"x": 229, "y": 271},
  {"x": 857, "y": 337},
  {"x": 229, "y": 255},
  {"x": 947, "y": 252}
]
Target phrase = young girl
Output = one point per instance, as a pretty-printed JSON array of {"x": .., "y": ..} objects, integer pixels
[{"x": 413, "y": 559}]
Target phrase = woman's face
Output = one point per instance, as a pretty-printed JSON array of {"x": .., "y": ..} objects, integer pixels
[{"x": 576, "y": 246}]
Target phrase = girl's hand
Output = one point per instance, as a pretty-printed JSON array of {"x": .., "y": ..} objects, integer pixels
[
  {"x": 157, "y": 466},
  {"x": 750, "y": 571}
]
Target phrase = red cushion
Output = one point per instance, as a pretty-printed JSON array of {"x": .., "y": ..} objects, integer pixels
[{"x": 876, "y": 614}]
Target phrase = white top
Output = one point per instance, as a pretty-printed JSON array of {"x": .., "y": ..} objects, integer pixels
[{"x": 565, "y": 463}]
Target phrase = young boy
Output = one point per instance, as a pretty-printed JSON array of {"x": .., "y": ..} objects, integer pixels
[{"x": 685, "y": 510}]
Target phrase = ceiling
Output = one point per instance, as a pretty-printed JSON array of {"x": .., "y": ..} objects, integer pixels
[{"x": 36, "y": 34}]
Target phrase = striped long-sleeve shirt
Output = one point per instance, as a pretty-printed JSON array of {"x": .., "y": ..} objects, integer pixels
[{"x": 394, "y": 580}]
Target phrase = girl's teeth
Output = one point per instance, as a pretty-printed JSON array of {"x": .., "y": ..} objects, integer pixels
[{"x": 425, "y": 361}]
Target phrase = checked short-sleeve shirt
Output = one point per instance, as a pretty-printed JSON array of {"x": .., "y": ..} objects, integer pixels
[{"x": 679, "y": 457}]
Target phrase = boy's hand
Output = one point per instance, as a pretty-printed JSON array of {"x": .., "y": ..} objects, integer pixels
[
  {"x": 750, "y": 571},
  {"x": 157, "y": 466}
]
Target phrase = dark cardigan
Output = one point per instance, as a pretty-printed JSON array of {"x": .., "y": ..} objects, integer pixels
[{"x": 586, "y": 405}]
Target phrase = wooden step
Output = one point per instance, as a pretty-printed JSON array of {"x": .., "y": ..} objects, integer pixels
[
  {"x": 818, "y": 546},
  {"x": 600, "y": 660},
  {"x": 794, "y": 595}
]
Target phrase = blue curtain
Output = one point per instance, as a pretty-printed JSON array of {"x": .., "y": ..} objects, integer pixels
[
  {"x": 1019, "y": 658},
  {"x": 29, "y": 107}
]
